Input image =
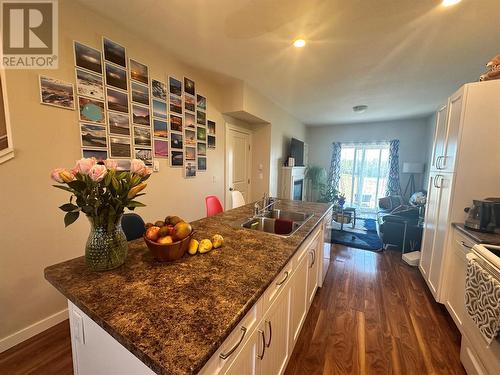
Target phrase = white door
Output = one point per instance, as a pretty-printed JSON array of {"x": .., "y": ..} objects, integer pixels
[
  {"x": 439, "y": 138},
  {"x": 431, "y": 212},
  {"x": 454, "y": 118},
  {"x": 246, "y": 362},
  {"x": 238, "y": 160},
  {"x": 276, "y": 330},
  {"x": 444, "y": 183}
]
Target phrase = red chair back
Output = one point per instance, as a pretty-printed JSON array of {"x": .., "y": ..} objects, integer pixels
[{"x": 213, "y": 205}]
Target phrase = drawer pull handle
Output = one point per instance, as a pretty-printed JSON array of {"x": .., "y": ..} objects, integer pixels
[
  {"x": 263, "y": 337},
  {"x": 465, "y": 245},
  {"x": 279, "y": 283},
  {"x": 268, "y": 344},
  {"x": 313, "y": 258},
  {"x": 231, "y": 351}
]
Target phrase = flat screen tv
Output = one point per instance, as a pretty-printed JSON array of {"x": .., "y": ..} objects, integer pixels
[{"x": 297, "y": 152}]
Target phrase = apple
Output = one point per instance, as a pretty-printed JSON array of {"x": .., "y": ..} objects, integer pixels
[
  {"x": 152, "y": 233},
  {"x": 165, "y": 240}
]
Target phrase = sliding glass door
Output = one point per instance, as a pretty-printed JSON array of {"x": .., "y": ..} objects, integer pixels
[{"x": 363, "y": 173}]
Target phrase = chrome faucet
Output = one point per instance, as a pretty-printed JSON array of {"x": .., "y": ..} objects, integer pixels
[{"x": 266, "y": 205}]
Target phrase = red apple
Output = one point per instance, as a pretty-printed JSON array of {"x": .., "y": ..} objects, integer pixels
[{"x": 152, "y": 233}]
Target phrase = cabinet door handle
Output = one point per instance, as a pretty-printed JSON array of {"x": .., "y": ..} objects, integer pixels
[
  {"x": 313, "y": 258},
  {"x": 231, "y": 351},
  {"x": 279, "y": 283},
  {"x": 263, "y": 337},
  {"x": 268, "y": 322},
  {"x": 437, "y": 162}
]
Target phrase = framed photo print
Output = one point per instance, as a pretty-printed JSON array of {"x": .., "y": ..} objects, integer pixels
[
  {"x": 210, "y": 141},
  {"x": 139, "y": 72},
  {"x": 201, "y": 134},
  {"x": 117, "y": 100},
  {"x": 91, "y": 110},
  {"x": 201, "y": 149},
  {"x": 120, "y": 147},
  {"x": 190, "y": 169},
  {"x": 144, "y": 154},
  {"x": 175, "y": 104},
  {"x": 176, "y": 158},
  {"x": 89, "y": 84},
  {"x": 189, "y": 86},
  {"x": 118, "y": 123},
  {"x": 92, "y": 135},
  {"x": 175, "y": 123},
  {"x": 159, "y": 90},
  {"x": 140, "y": 115},
  {"x": 201, "y": 118},
  {"x": 99, "y": 155},
  {"x": 190, "y": 120},
  {"x": 140, "y": 93},
  {"x": 160, "y": 128},
  {"x": 114, "y": 52},
  {"x": 159, "y": 109},
  {"x": 116, "y": 77},
  {"x": 190, "y": 137},
  {"x": 202, "y": 163},
  {"x": 190, "y": 153},
  {"x": 175, "y": 86},
  {"x": 189, "y": 103},
  {"x": 87, "y": 57},
  {"x": 201, "y": 102},
  {"x": 176, "y": 141},
  {"x": 161, "y": 148},
  {"x": 56, "y": 93},
  {"x": 211, "y": 127},
  {"x": 142, "y": 136}
]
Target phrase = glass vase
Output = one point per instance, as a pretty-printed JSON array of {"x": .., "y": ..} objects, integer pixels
[{"x": 107, "y": 245}]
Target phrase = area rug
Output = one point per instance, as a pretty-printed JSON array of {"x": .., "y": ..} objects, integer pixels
[{"x": 363, "y": 236}]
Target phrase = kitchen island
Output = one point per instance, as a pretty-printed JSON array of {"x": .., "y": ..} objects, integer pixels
[{"x": 187, "y": 316}]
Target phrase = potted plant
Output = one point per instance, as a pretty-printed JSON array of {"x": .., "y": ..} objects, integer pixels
[{"x": 102, "y": 193}]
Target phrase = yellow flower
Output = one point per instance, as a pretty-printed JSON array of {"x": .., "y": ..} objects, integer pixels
[
  {"x": 136, "y": 189},
  {"x": 66, "y": 176}
]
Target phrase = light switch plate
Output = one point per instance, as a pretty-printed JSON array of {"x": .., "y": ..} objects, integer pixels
[{"x": 156, "y": 166}]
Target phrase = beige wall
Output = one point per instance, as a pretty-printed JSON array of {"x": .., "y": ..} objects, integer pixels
[
  {"x": 413, "y": 136},
  {"x": 33, "y": 234}
]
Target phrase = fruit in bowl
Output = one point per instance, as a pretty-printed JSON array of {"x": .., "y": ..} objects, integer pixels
[{"x": 166, "y": 240}]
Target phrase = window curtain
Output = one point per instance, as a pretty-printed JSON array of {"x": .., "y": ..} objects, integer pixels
[
  {"x": 334, "y": 174},
  {"x": 393, "y": 186}
]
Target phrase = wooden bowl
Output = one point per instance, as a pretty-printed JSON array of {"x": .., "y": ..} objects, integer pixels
[{"x": 168, "y": 252}]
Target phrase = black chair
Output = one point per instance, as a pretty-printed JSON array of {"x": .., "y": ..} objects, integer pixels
[{"x": 133, "y": 226}]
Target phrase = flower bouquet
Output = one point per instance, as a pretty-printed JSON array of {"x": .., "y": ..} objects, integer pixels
[{"x": 102, "y": 193}]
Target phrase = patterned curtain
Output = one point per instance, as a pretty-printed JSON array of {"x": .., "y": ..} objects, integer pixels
[
  {"x": 393, "y": 186},
  {"x": 334, "y": 174}
]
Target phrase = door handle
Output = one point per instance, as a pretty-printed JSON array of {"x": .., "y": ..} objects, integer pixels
[
  {"x": 268, "y": 322},
  {"x": 263, "y": 337},
  {"x": 231, "y": 351},
  {"x": 231, "y": 189},
  {"x": 437, "y": 162}
]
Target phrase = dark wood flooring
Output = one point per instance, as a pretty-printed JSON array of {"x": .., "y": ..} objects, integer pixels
[
  {"x": 374, "y": 315},
  {"x": 48, "y": 353}
]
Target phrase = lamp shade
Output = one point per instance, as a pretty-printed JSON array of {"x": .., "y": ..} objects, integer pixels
[{"x": 413, "y": 167}]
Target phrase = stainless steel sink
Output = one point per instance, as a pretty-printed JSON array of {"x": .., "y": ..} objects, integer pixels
[{"x": 267, "y": 222}]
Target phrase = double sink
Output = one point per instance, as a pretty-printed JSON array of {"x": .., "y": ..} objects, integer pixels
[{"x": 277, "y": 222}]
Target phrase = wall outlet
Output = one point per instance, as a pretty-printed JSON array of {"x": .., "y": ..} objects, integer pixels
[{"x": 156, "y": 166}]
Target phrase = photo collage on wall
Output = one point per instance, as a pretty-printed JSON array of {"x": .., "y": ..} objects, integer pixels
[{"x": 124, "y": 113}]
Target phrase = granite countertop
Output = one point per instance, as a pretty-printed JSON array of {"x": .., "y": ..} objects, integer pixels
[
  {"x": 174, "y": 316},
  {"x": 479, "y": 237}
]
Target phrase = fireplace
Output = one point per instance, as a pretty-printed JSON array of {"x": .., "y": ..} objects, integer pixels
[{"x": 298, "y": 187}]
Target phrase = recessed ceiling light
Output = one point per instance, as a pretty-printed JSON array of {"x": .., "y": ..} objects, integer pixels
[
  {"x": 360, "y": 108},
  {"x": 299, "y": 43},
  {"x": 449, "y": 3}
]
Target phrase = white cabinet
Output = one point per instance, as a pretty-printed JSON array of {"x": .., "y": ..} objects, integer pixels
[
  {"x": 246, "y": 361},
  {"x": 431, "y": 214},
  {"x": 312, "y": 272},
  {"x": 439, "y": 137},
  {"x": 455, "y": 109},
  {"x": 298, "y": 298},
  {"x": 276, "y": 330}
]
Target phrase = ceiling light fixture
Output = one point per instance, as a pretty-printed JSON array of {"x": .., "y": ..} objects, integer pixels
[
  {"x": 360, "y": 108},
  {"x": 449, "y": 3},
  {"x": 299, "y": 43}
]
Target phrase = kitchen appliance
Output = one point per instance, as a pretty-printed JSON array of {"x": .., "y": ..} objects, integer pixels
[{"x": 484, "y": 215}]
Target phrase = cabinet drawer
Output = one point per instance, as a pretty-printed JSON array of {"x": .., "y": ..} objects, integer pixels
[
  {"x": 236, "y": 340},
  {"x": 278, "y": 284},
  {"x": 462, "y": 242}
]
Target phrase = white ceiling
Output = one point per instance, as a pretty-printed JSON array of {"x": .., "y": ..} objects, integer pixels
[{"x": 402, "y": 58}]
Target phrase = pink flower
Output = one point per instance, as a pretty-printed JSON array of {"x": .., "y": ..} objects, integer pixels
[
  {"x": 84, "y": 165},
  {"x": 147, "y": 171},
  {"x": 55, "y": 175},
  {"x": 111, "y": 164},
  {"x": 98, "y": 172},
  {"x": 137, "y": 166}
]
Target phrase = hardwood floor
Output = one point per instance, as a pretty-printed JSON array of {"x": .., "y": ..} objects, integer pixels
[
  {"x": 375, "y": 315},
  {"x": 48, "y": 353}
]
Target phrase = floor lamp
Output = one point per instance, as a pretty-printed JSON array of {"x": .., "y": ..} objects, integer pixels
[{"x": 412, "y": 169}]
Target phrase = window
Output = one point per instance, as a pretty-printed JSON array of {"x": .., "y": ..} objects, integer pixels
[
  {"x": 6, "y": 150},
  {"x": 363, "y": 173}
]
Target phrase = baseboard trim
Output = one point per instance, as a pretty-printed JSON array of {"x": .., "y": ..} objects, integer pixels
[{"x": 32, "y": 330}]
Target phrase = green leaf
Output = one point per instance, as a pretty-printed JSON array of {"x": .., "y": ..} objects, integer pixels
[
  {"x": 70, "y": 218},
  {"x": 64, "y": 188},
  {"x": 122, "y": 175},
  {"x": 107, "y": 179},
  {"x": 77, "y": 185},
  {"x": 144, "y": 178},
  {"x": 68, "y": 207},
  {"x": 135, "y": 204},
  {"x": 87, "y": 209}
]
